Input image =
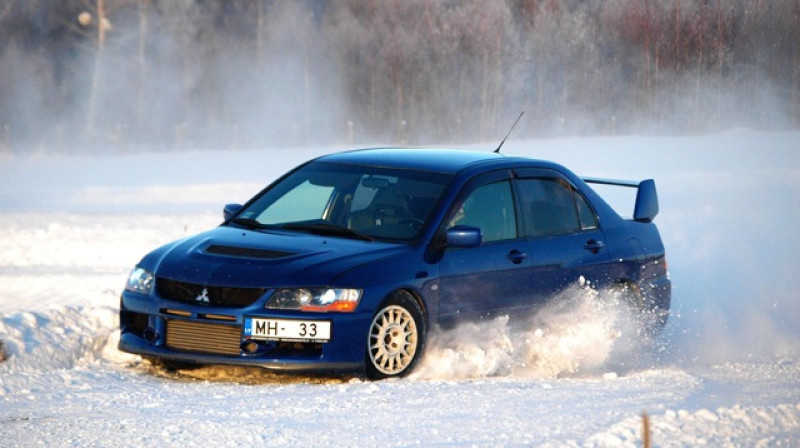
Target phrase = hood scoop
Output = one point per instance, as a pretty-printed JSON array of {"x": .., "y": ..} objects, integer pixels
[{"x": 246, "y": 252}]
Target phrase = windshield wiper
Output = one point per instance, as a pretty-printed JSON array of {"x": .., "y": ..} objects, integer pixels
[
  {"x": 323, "y": 228},
  {"x": 250, "y": 223}
]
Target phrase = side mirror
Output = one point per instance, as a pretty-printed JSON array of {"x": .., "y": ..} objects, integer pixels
[
  {"x": 231, "y": 210},
  {"x": 463, "y": 237}
]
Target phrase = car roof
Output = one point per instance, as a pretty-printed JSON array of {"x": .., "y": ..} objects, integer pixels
[{"x": 439, "y": 160}]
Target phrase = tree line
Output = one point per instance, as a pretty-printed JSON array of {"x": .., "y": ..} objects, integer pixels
[{"x": 130, "y": 74}]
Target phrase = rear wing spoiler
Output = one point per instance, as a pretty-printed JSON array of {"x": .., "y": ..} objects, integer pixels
[{"x": 646, "y": 207}]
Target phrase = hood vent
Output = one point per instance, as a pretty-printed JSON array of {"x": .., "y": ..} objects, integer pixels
[{"x": 246, "y": 252}]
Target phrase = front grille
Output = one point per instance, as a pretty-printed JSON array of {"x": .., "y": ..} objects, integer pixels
[
  {"x": 213, "y": 296},
  {"x": 204, "y": 338}
]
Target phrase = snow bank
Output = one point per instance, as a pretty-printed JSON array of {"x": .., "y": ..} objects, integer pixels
[
  {"x": 56, "y": 338},
  {"x": 46, "y": 346},
  {"x": 755, "y": 426}
]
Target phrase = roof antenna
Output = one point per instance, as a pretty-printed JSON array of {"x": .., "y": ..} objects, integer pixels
[{"x": 497, "y": 151}]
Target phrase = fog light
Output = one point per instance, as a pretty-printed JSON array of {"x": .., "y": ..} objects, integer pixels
[{"x": 150, "y": 335}]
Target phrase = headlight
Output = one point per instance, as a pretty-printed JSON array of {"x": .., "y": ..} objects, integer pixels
[
  {"x": 140, "y": 281},
  {"x": 315, "y": 299}
]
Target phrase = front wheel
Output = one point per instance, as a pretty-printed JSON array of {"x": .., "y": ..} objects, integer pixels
[{"x": 396, "y": 338}]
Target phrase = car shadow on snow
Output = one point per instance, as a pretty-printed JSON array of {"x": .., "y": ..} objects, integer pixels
[{"x": 233, "y": 374}]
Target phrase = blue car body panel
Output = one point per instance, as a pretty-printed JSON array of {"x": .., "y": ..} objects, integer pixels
[{"x": 451, "y": 284}]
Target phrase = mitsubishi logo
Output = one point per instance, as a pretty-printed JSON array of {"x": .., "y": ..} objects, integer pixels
[{"x": 203, "y": 297}]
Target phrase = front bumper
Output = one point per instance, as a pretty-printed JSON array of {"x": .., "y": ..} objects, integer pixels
[
  {"x": 136, "y": 345},
  {"x": 157, "y": 328}
]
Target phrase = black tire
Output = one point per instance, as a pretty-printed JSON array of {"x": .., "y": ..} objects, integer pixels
[{"x": 396, "y": 338}]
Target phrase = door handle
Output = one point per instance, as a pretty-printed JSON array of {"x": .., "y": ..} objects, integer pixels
[
  {"x": 516, "y": 256},
  {"x": 594, "y": 246}
]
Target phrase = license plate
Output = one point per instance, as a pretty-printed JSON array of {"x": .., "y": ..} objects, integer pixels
[{"x": 287, "y": 329}]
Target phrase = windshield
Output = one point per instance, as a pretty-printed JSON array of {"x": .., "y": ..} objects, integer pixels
[{"x": 355, "y": 201}]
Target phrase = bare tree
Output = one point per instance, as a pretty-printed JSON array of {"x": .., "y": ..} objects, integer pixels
[
  {"x": 5, "y": 9},
  {"x": 246, "y": 73},
  {"x": 142, "y": 62},
  {"x": 102, "y": 26}
]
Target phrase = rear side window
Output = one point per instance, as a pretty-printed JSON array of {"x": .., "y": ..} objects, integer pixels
[{"x": 553, "y": 207}]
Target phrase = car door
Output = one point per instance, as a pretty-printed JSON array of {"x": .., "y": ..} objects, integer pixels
[
  {"x": 479, "y": 282},
  {"x": 563, "y": 233}
]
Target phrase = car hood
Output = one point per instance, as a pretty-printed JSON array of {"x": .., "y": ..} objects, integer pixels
[{"x": 228, "y": 257}]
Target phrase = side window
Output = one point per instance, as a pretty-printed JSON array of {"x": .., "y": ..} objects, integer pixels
[
  {"x": 489, "y": 207},
  {"x": 549, "y": 207},
  {"x": 585, "y": 213}
]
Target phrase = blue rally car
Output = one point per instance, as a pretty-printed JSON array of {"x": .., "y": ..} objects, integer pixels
[{"x": 348, "y": 261}]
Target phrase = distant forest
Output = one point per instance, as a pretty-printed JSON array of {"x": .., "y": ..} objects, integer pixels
[{"x": 121, "y": 75}]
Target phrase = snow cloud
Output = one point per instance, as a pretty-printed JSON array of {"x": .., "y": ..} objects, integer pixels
[{"x": 582, "y": 332}]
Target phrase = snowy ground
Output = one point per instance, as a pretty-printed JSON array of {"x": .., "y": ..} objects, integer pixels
[{"x": 726, "y": 372}]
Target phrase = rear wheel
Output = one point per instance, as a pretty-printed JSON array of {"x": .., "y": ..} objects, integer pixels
[
  {"x": 396, "y": 337},
  {"x": 650, "y": 320}
]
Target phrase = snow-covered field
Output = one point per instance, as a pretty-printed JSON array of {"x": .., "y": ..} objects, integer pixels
[{"x": 726, "y": 372}]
